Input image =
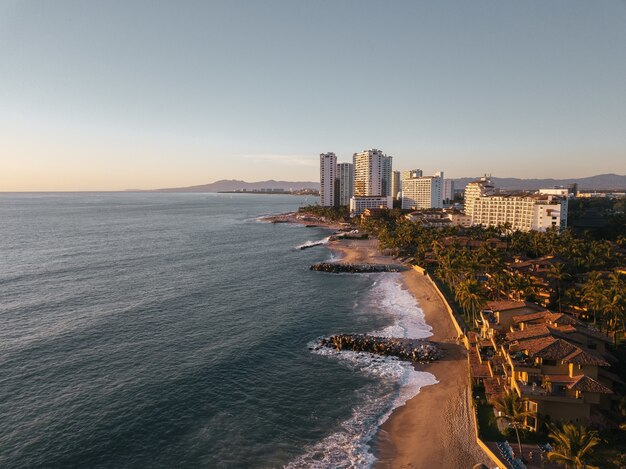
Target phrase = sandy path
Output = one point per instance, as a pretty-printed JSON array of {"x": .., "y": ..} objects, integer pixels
[{"x": 435, "y": 428}]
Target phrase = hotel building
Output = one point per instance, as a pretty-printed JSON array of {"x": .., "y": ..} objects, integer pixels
[
  {"x": 358, "y": 204},
  {"x": 474, "y": 190},
  {"x": 422, "y": 192},
  {"x": 537, "y": 212},
  {"x": 372, "y": 173},
  {"x": 345, "y": 188},
  {"x": 328, "y": 175}
]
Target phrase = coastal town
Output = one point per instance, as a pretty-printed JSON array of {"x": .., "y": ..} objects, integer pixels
[{"x": 533, "y": 307}]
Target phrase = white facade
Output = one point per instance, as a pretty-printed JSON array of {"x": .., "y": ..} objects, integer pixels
[
  {"x": 396, "y": 185},
  {"x": 358, "y": 204},
  {"x": 474, "y": 190},
  {"x": 372, "y": 173},
  {"x": 460, "y": 219},
  {"x": 328, "y": 174},
  {"x": 524, "y": 213},
  {"x": 560, "y": 191},
  {"x": 422, "y": 192},
  {"x": 345, "y": 176}
]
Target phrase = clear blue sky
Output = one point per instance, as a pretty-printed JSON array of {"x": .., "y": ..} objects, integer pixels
[{"x": 145, "y": 94}]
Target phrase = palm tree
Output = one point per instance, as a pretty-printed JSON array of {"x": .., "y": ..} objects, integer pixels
[
  {"x": 594, "y": 293},
  {"x": 511, "y": 409},
  {"x": 572, "y": 445},
  {"x": 470, "y": 296},
  {"x": 558, "y": 273}
]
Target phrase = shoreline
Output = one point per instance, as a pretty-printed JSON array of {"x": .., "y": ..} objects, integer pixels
[{"x": 435, "y": 427}]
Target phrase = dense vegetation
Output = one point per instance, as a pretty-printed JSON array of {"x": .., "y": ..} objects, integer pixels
[
  {"x": 328, "y": 213},
  {"x": 583, "y": 275}
]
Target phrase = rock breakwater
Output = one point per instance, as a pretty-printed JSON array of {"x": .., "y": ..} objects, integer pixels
[
  {"x": 336, "y": 268},
  {"x": 413, "y": 350}
]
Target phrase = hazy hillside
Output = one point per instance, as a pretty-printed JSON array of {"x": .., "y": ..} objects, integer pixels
[
  {"x": 233, "y": 184},
  {"x": 599, "y": 182}
]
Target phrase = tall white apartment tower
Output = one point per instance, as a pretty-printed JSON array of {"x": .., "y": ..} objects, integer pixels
[
  {"x": 372, "y": 173},
  {"x": 328, "y": 174},
  {"x": 422, "y": 192},
  {"x": 345, "y": 176}
]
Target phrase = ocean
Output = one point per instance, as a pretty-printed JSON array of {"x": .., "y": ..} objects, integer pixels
[{"x": 174, "y": 330}]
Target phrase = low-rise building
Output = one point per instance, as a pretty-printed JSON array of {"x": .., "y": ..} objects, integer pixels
[
  {"x": 358, "y": 204},
  {"x": 555, "y": 363}
]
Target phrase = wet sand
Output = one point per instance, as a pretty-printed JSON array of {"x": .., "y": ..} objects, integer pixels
[{"x": 435, "y": 428}]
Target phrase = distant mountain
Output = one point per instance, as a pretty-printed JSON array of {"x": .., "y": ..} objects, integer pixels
[
  {"x": 599, "y": 182},
  {"x": 233, "y": 185}
]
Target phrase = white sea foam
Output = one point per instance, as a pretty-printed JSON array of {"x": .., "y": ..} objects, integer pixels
[
  {"x": 310, "y": 244},
  {"x": 349, "y": 447}
]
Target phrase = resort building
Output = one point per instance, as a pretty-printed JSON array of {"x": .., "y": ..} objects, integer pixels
[
  {"x": 328, "y": 175},
  {"x": 372, "y": 173},
  {"x": 474, "y": 190},
  {"x": 358, "y": 204},
  {"x": 396, "y": 185},
  {"x": 555, "y": 363},
  {"x": 536, "y": 212},
  {"x": 345, "y": 189},
  {"x": 422, "y": 192}
]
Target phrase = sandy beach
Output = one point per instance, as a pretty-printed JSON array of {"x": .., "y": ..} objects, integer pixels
[{"x": 434, "y": 429}]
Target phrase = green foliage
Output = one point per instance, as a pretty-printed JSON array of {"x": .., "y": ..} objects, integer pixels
[
  {"x": 330, "y": 213},
  {"x": 573, "y": 445},
  {"x": 476, "y": 275}
]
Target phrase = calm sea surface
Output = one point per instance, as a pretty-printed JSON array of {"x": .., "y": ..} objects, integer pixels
[{"x": 172, "y": 330}]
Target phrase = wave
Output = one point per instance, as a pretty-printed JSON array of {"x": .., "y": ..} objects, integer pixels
[
  {"x": 310, "y": 244},
  {"x": 399, "y": 381}
]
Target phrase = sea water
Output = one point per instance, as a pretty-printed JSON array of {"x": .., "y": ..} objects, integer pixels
[{"x": 174, "y": 330}]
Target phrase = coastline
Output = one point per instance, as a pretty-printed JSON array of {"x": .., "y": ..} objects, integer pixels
[{"x": 435, "y": 427}]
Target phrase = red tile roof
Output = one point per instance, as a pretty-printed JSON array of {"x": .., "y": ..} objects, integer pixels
[
  {"x": 507, "y": 305},
  {"x": 584, "y": 383}
]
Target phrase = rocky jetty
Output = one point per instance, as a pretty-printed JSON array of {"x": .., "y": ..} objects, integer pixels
[
  {"x": 336, "y": 268},
  {"x": 413, "y": 350}
]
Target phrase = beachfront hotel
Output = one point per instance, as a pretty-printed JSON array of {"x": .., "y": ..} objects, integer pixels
[
  {"x": 358, "y": 205},
  {"x": 328, "y": 175},
  {"x": 482, "y": 187},
  {"x": 422, "y": 192},
  {"x": 537, "y": 212},
  {"x": 372, "y": 173},
  {"x": 345, "y": 187}
]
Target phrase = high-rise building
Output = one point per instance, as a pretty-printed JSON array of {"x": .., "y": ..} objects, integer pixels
[
  {"x": 372, "y": 173},
  {"x": 328, "y": 174},
  {"x": 345, "y": 177},
  {"x": 396, "y": 185},
  {"x": 448, "y": 190},
  {"x": 411, "y": 173},
  {"x": 423, "y": 192},
  {"x": 474, "y": 190}
]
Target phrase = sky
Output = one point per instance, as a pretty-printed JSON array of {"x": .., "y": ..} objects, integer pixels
[{"x": 114, "y": 95}]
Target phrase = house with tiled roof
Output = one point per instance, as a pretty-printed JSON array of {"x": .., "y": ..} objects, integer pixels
[{"x": 554, "y": 362}]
